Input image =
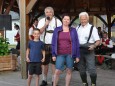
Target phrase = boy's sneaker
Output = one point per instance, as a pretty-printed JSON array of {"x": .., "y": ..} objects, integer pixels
[
  {"x": 44, "y": 83},
  {"x": 85, "y": 84}
]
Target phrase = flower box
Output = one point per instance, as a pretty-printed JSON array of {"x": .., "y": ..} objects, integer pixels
[{"x": 8, "y": 62}]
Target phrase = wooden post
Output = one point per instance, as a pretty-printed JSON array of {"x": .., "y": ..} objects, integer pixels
[
  {"x": 17, "y": 2},
  {"x": 109, "y": 25},
  {"x": 1, "y": 6},
  {"x": 24, "y": 23},
  {"x": 22, "y": 6}
]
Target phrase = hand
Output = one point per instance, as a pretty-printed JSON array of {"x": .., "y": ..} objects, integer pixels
[
  {"x": 77, "y": 60},
  {"x": 104, "y": 43},
  {"x": 92, "y": 47},
  {"x": 43, "y": 59},
  {"x": 27, "y": 59},
  {"x": 47, "y": 22},
  {"x": 54, "y": 58}
]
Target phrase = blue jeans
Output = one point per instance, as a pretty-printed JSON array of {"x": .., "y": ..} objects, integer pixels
[{"x": 61, "y": 60}]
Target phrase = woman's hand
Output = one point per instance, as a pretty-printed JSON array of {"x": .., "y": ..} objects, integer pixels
[
  {"x": 77, "y": 60},
  {"x": 54, "y": 58}
]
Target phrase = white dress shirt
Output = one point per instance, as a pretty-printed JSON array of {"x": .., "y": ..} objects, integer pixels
[
  {"x": 51, "y": 26},
  {"x": 83, "y": 34}
]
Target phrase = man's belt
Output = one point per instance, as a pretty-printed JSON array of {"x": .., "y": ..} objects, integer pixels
[{"x": 49, "y": 31}]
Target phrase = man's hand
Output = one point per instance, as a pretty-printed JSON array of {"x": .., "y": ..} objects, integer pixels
[
  {"x": 47, "y": 22},
  {"x": 104, "y": 43},
  {"x": 54, "y": 58},
  {"x": 92, "y": 47}
]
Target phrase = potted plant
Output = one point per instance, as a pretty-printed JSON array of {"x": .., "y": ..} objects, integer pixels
[
  {"x": 4, "y": 46},
  {"x": 7, "y": 60}
]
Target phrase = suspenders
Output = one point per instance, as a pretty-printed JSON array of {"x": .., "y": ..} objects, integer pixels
[
  {"x": 50, "y": 31},
  {"x": 89, "y": 33}
]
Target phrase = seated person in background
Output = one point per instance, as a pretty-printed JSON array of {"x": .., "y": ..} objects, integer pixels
[
  {"x": 105, "y": 47},
  {"x": 107, "y": 43}
]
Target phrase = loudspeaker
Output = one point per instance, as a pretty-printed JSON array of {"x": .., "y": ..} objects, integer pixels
[{"x": 5, "y": 22}]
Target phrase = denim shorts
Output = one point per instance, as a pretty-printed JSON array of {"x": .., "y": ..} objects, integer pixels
[{"x": 63, "y": 60}]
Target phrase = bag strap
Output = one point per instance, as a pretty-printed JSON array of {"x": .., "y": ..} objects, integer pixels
[{"x": 90, "y": 33}]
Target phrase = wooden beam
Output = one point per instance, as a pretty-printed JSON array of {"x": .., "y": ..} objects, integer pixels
[
  {"x": 27, "y": 28},
  {"x": 109, "y": 25},
  {"x": 9, "y": 7},
  {"x": 30, "y": 6},
  {"x": 17, "y": 2},
  {"x": 74, "y": 19},
  {"x": 1, "y": 6},
  {"x": 113, "y": 22},
  {"x": 102, "y": 20},
  {"x": 22, "y": 5},
  {"x": 91, "y": 12},
  {"x": 27, "y": 23}
]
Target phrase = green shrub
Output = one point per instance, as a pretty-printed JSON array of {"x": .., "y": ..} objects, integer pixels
[{"x": 4, "y": 46}]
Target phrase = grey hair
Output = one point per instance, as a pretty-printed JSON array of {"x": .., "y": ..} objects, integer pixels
[
  {"x": 84, "y": 13},
  {"x": 49, "y": 8}
]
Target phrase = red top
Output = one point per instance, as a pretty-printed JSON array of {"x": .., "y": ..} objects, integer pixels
[
  {"x": 17, "y": 36},
  {"x": 64, "y": 43},
  {"x": 32, "y": 35},
  {"x": 106, "y": 42}
]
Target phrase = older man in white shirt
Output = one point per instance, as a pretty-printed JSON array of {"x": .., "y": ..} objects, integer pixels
[
  {"x": 47, "y": 26},
  {"x": 87, "y": 56}
]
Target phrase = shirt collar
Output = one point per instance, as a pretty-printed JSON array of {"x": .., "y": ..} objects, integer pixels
[{"x": 85, "y": 25}]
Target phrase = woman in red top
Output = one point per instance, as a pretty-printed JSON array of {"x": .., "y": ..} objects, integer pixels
[{"x": 17, "y": 36}]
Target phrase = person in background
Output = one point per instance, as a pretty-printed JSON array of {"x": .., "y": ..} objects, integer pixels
[
  {"x": 35, "y": 54},
  {"x": 65, "y": 48},
  {"x": 100, "y": 32},
  {"x": 107, "y": 43},
  {"x": 87, "y": 56},
  {"x": 34, "y": 26},
  {"x": 47, "y": 26},
  {"x": 17, "y": 36},
  {"x": 105, "y": 47},
  {"x": 97, "y": 50}
]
